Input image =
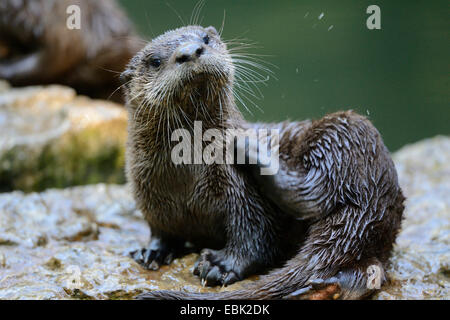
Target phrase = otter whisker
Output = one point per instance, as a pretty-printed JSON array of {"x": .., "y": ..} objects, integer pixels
[
  {"x": 186, "y": 118},
  {"x": 242, "y": 102},
  {"x": 250, "y": 85},
  {"x": 221, "y": 110},
  {"x": 149, "y": 24},
  {"x": 240, "y": 82},
  {"x": 178, "y": 124},
  {"x": 236, "y": 47},
  {"x": 243, "y": 62},
  {"x": 109, "y": 70},
  {"x": 250, "y": 92},
  {"x": 196, "y": 12},
  {"x": 205, "y": 110},
  {"x": 251, "y": 101},
  {"x": 202, "y": 106},
  {"x": 118, "y": 88},
  {"x": 159, "y": 123},
  {"x": 134, "y": 97},
  {"x": 249, "y": 81},
  {"x": 138, "y": 109},
  {"x": 223, "y": 23},
  {"x": 168, "y": 126},
  {"x": 176, "y": 13},
  {"x": 256, "y": 59},
  {"x": 250, "y": 74}
]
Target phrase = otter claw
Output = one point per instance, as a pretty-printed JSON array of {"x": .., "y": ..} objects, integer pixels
[
  {"x": 212, "y": 269},
  {"x": 153, "y": 259},
  {"x": 153, "y": 266}
]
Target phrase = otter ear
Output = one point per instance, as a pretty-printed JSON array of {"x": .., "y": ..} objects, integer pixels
[
  {"x": 125, "y": 76},
  {"x": 212, "y": 30}
]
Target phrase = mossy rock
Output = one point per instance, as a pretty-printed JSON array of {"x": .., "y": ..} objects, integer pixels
[{"x": 50, "y": 137}]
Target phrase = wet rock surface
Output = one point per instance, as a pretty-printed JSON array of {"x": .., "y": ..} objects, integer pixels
[
  {"x": 50, "y": 137},
  {"x": 421, "y": 260},
  {"x": 74, "y": 243}
]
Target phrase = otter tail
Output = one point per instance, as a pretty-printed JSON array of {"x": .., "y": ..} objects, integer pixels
[{"x": 276, "y": 285}]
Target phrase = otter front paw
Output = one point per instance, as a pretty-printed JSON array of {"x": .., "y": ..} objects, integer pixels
[
  {"x": 214, "y": 267},
  {"x": 158, "y": 253}
]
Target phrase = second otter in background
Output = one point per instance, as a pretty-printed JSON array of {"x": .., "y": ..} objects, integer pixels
[{"x": 37, "y": 47}]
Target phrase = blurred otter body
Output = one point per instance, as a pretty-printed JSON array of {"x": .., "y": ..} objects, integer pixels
[
  {"x": 37, "y": 47},
  {"x": 335, "y": 199}
]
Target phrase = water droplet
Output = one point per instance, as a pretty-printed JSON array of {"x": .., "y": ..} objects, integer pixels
[
  {"x": 306, "y": 14},
  {"x": 321, "y": 15},
  {"x": 368, "y": 112},
  {"x": 331, "y": 27}
]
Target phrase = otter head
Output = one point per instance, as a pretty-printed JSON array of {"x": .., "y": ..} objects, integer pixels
[{"x": 181, "y": 68}]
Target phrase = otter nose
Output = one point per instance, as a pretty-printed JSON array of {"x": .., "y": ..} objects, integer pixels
[{"x": 189, "y": 52}]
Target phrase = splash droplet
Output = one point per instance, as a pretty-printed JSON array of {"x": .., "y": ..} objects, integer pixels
[{"x": 321, "y": 15}]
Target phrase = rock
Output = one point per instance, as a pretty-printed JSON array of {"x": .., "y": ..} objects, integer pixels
[
  {"x": 50, "y": 137},
  {"x": 74, "y": 243},
  {"x": 90, "y": 231},
  {"x": 421, "y": 260}
]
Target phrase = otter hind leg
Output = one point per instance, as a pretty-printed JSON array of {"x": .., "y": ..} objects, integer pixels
[{"x": 352, "y": 283}]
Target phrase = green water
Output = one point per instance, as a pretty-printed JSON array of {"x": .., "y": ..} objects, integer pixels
[{"x": 398, "y": 76}]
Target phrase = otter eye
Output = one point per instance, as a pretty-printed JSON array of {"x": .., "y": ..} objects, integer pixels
[
  {"x": 206, "y": 39},
  {"x": 154, "y": 62}
]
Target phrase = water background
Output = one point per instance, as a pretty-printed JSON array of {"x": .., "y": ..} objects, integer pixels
[{"x": 397, "y": 76}]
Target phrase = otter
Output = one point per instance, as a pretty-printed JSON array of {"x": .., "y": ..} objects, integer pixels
[
  {"x": 325, "y": 223},
  {"x": 37, "y": 46}
]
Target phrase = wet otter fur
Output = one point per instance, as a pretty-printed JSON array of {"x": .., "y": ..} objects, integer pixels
[
  {"x": 37, "y": 47},
  {"x": 330, "y": 215}
]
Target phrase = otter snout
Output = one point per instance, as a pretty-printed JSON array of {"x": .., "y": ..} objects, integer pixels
[{"x": 189, "y": 52}]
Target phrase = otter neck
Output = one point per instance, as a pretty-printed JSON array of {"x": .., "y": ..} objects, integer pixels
[{"x": 156, "y": 124}]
